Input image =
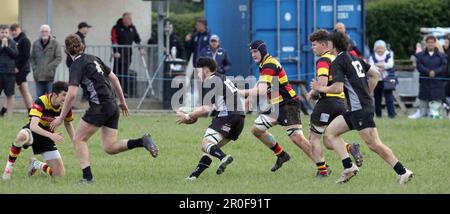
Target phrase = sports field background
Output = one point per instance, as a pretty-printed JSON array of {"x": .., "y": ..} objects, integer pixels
[{"x": 422, "y": 145}]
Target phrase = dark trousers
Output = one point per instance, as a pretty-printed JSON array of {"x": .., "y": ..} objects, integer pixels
[
  {"x": 388, "y": 97},
  {"x": 121, "y": 70}
]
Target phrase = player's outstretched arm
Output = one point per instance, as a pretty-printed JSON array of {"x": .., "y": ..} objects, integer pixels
[
  {"x": 335, "y": 88},
  {"x": 259, "y": 89},
  {"x": 70, "y": 130},
  {"x": 119, "y": 93},
  {"x": 201, "y": 111},
  {"x": 373, "y": 75},
  {"x": 34, "y": 126},
  {"x": 323, "y": 81},
  {"x": 68, "y": 104}
]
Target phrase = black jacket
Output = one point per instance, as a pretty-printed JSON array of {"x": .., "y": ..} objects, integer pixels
[
  {"x": 174, "y": 41},
  {"x": 121, "y": 35},
  {"x": 68, "y": 58},
  {"x": 8, "y": 57},
  {"x": 24, "y": 48}
]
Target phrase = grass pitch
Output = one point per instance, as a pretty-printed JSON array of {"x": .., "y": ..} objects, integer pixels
[{"x": 422, "y": 145}]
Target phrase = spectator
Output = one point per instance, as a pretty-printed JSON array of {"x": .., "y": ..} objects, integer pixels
[
  {"x": 384, "y": 60},
  {"x": 199, "y": 40},
  {"x": 447, "y": 87},
  {"x": 45, "y": 57},
  {"x": 124, "y": 33},
  {"x": 174, "y": 41},
  {"x": 431, "y": 64},
  {"x": 83, "y": 30},
  {"x": 22, "y": 63},
  {"x": 8, "y": 55},
  {"x": 340, "y": 27},
  {"x": 220, "y": 55}
]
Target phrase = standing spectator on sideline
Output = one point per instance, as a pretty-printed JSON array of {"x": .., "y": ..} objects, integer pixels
[
  {"x": 431, "y": 64},
  {"x": 8, "y": 55},
  {"x": 174, "y": 40},
  {"x": 22, "y": 64},
  {"x": 45, "y": 57},
  {"x": 340, "y": 27},
  {"x": 217, "y": 53},
  {"x": 199, "y": 40},
  {"x": 447, "y": 87},
  {"x": 83, "y": 30},
  {"x": 384, "y": 60},
  {"x": 124, "y": 33}
]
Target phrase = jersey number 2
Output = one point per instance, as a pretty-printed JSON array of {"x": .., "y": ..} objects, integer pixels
[{"x": 359, "y": 69}]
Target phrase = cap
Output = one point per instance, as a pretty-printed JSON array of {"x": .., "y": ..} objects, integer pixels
[
  {"x": 83, "y": 24},
  {"x": 214, "y": 37}
]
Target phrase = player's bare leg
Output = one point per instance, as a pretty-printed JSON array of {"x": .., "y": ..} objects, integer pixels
[
  {"x": 296, "y": 135},
  {"x": 82, "y": 134},
  {"x": 259, "y": 131},
  {"x": 373, "y": 141},
  {"x": 24, "y": 90},
  {"x": 333, "y": 133},
  {"x": 317, "y": 152},
  {"x": 112, "y": 145},
  {"x": 53, "y": 167}
]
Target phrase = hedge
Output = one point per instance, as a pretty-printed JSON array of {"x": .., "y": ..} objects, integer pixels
[{"x": 398, "y": 22}]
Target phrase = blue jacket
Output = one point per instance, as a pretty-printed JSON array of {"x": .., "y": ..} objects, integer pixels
[
  {"x": 430, "y": 88},
  {"x": 221, "y": 58},
  {"x": 198, "y": 43}
]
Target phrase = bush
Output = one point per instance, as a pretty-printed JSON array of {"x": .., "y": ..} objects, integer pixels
[
  {"x": 399, "y": 22},
  {"x": 182, "y": 23}
]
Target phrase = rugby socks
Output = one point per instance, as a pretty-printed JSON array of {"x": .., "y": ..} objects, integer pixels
[
  {"x": 42, "y": 166},
  {"x": 203, "y": 164},
  {"x": 13, "y": 154},
  {"x": 87, "y": 174},
  {"x": 278, "y": 150},
  {"x": 215, "y": 151},
  {"x": 133, "y": 143},
  {"x": 399, "y": 168},
  {"x": 322, "y": 168},
  {"x": 347, "y": 163}
]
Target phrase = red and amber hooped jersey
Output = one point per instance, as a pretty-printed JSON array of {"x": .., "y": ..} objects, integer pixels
[
  {"x": 271, "y": 72},
  {"x": 323, "y": 69},
  {"x": 44, "y": 109}
]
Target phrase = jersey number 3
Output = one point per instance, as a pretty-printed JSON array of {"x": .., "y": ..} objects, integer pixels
[{"x": 359, "y": 69}]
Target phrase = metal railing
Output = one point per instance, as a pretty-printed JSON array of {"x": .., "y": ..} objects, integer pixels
[{"x": 133, "y": 70}]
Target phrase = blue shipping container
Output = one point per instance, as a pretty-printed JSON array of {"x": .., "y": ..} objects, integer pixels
[{"x": 284, "y": 25}]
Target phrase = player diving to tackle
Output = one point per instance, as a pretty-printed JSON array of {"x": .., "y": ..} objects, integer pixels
[
  {"x": 225, "y": 106},
  {"x": 38, "y": 135}
]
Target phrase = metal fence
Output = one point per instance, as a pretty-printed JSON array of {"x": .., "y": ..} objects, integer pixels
[{"x": 135, "y": 80}]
